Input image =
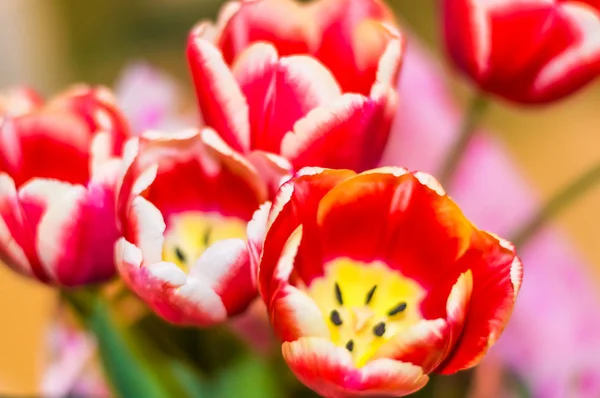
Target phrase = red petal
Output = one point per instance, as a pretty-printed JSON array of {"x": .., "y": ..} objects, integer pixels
[
  {"x": 349, "y": 133},
  {"x": 295, "y": 204},
  {"x": 45, "y": 145},
  {"x": 222, "y": 104},
  {"x": 97, "y": 107},
  {"x": 283, "y": 23},
  {"x": 198, "y": 171},
  {"x": 387, "y": 214},
  {"x": 280, "y": 91},
  {"x": 577, "y": 65},
  {"x": 497, "y": 275},
  {"x": 328, "y": 370},
  {"x": 353, "y": 40}
]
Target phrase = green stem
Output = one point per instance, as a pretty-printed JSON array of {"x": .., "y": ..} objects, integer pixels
[
  {"x": 557, "y": 203},
  {"x": 132, "y": 362},
  {"x": 474, "y": 112}
]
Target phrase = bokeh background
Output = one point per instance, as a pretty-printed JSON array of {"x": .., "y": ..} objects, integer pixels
[{"x": 50, "y": 44}]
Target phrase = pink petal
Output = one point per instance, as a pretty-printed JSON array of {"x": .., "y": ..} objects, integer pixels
[
  {"x": 15, "y": 233},
  {"x": 222, "y": 104},
  {"x": 77, "y": 233}
]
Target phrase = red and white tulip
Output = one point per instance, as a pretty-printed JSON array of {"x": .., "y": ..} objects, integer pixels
[
  {"x": 185, "y": 226},
  {"x": 313, "y": 83},
  {"x": 374, "y": 280},
  {"x": 527, "y": 51},
  {"x": 59, "y": 167}
]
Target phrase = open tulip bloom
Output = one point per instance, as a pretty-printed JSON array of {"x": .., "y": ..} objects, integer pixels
[
  {"x": 374, "y": 280},
  {"x": 184, "y": 247}
]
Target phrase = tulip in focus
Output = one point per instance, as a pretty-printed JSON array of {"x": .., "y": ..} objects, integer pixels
[
  {"x": 532, "y": 51},
  {"x": 59, "y": 169},
  {"x": 372, "y": 281},
  {"x": 184, "y": 249},
  {"x": 314, "y": 83}
]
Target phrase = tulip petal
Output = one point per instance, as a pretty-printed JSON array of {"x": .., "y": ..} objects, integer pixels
[
  {"x": 296, "y": 315},
  {"x": 497, "y": 276},
  {"x": 578, "y": 64},
  {"x": 222, "y": 104},
  {"x": 391, "y": 215},
  {"x": 329, "y": 370},
  {"x": 146, "y": 226},
  {"x": 423, "y": 344},
  {"x": 337, "y": 135},
  {"x": 174, "y": 296},
  {"x": 14, "y": 235},
  {"x": 280, "y": 22},
  {"x": 280, "y": 91},
  {"x": 223, "y": 180},
  {"x": 45, "y": 145},
  {"x": 295, "y": 204},
  {"x": 225, "y": 265},
  {"x": 76, "y": 234},
  {"x": 353, "y": 40}
]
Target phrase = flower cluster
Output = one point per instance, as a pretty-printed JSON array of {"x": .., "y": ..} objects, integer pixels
[{"x": 370, "y": 275}]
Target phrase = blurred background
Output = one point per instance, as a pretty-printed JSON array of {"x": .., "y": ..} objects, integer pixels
[{"x": 50, "y": 44}]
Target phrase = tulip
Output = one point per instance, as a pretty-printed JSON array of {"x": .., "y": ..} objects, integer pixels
[
  {"x": 59, "y": 168},
  {"x": 188, "y": 198},
  {"x": 313, "y": 83},
  {"x": 372, "y": 281},
  {"x": 526, "y": 51}
]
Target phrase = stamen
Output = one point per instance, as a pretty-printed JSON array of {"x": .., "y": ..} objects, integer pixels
[
  {"x": 350, "y": 345},
  {"x": 179, "y": 254},
  {"x": 397, "y": 309},
  {"x": 338, "y": 294},
  {"x": 206, "y": 237},
  {"x": 335, "y": 318},
  {"x": 379, "y": 329},
  {"x": 370, "y": 295}
]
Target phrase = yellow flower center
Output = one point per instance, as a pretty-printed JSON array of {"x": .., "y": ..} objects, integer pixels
[
  {"x": 365, "y": 304},
  {"x": 191, "y": 233}
]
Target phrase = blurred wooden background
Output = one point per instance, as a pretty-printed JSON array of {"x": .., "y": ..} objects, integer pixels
[{"x": 51, "y": 43}]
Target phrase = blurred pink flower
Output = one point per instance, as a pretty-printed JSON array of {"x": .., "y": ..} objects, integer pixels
[
  {"x": 151, "y": 99},
  {"x": 72, "y": 368},
  {"x": 553, "y": 338}
]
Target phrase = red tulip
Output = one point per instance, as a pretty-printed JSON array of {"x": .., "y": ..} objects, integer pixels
[
  {"x": 58, "y": 176},
  {"x": 314, "y": 83},
  {"x": 374, "y": 280},
  {"x": 527, "y": 51},
  {"x": 184, "y": 247}
]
